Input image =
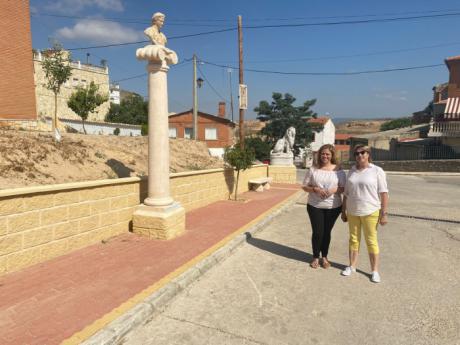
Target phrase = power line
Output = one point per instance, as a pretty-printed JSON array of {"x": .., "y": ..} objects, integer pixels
[
  {"x": 139, "y": 42},
  {"x": 184, "y": 61},
  {"x": 190, "y": 22},
  {"x": 335, "y": 57},
  {"x": 328, "y": 73},
  {"x": 212, "y": 87},
  {"x": 354, "y": 22},
  {"x": 365, "y": 21},
  {"x": 116, "y": 20}
]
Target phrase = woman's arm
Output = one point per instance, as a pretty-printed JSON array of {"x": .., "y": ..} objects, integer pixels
[
  {"x": 344, "y": 209},
  {"x": 383, "y": 217},
  {"x": 311, "y": 189}
]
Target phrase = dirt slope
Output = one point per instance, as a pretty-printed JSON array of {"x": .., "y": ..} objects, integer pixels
[
  {"x": 33, "y": 158},
  {"x": 359, "y": 127}
]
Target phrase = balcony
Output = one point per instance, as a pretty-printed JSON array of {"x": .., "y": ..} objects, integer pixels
[{"x": 445, "y": 129}]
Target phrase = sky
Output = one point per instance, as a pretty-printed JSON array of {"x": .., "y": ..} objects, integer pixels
[{"x": 328, "y": 46}]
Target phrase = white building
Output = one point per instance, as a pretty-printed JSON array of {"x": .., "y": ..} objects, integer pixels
[
  {"x": 324, "y": 132},
  {"x": 115, "y": 93}
]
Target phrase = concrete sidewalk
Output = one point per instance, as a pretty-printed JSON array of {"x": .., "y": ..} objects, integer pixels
[{"x": 71, "y": 298}]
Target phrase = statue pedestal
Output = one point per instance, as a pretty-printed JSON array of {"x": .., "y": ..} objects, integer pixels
[
  {"x": 160, "y": 216},
  {"x": 281, "y": 159},
  {"x": 161, "y": 223}
]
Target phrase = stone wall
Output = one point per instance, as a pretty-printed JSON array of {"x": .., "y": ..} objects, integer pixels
[
  {"x": 446, "y": 165},
  {"x": 283, "y": 174},
  {"x": 82, "y": 75},
  {"x": 40, "y": 223}
]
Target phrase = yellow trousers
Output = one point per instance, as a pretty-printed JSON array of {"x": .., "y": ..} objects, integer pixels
[{"x": 369, "y": 225}]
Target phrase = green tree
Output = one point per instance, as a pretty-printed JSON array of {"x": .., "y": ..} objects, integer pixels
[
  {"x": 260, "y": 147},
  {"x": 132, "y": 110},
  {"x": 239, "y": 159},
  {"x": 85, "y": 100},
  {"x": 56, "y": 65},
  {"x": 281, "y": 114},
  {"x": 396, "y": 123}
]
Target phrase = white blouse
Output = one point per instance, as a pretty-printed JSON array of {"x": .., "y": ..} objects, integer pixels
[
  {"x": 324, "y": 179},
  {"x": 363, "y": 190}
]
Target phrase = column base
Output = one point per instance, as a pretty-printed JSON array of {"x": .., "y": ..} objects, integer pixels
[{"x": 161, "y": 223}]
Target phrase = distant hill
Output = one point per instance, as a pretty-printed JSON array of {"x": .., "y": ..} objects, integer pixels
[{"x": 361, "y": 126}]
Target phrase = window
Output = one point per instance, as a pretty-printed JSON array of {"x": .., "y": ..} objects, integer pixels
[
  {"x": 75, "y": 82},
  {"x": 210, "y": 134},
  {"x": 83, "y": 82},
  {"x": 173, "y": 132},
  {"x": 188, "y": 133}
]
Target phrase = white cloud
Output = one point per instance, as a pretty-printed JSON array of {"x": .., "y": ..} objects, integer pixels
[
  {"x": 74, "y": 6},
  {"x": 101, "y": 32},
  {"x": 393, "y": 96}
]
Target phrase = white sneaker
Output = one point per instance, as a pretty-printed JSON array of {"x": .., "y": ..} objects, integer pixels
[
  {"x": 348, "y": 271},
  {"x": 375, "y": 277}
]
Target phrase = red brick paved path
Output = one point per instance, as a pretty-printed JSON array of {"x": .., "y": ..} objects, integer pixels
[{"x": 49, "y": 302}]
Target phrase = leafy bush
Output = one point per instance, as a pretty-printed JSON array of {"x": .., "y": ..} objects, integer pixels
[
  {"x": 239, "y": 159},
  {"x": 145, "y": 129},
  {"x": 116, "y": 131},
  {"x": 261, "y": 148},
  {"x": 396, "y": 123}
]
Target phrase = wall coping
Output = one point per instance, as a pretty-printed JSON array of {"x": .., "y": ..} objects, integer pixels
[{"x": 97, "y": 183}]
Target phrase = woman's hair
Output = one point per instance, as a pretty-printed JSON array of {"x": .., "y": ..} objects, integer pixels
[
  {"x": 321, "y": 149},
  {"x": 365, "y": 148}
]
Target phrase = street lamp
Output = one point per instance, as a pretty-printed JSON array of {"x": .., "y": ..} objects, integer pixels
[{"x": 199, "y": 82}]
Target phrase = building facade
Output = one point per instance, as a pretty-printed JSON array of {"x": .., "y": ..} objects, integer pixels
[
  {"x": 82, "y": 76},
  {"x": 216, "y": 131},
  {"x": 446, "y": 104},
  {"x": 324, "y": 132},
  {"x": 17, "y": 93}
]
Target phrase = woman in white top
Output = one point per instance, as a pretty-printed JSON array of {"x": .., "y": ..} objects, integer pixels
[
  {"x": 324, "y": 183},
  {"x": 364, "y": 207}
]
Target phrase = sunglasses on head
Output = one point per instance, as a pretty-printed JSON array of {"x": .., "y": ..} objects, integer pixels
[{"x": 357, "y": 153}]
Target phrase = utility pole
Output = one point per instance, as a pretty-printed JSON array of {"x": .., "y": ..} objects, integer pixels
[
  {"x": 240, "y": 44},
  {"x": 231, "y": 90},
  {"x": 195, "y": 102}
]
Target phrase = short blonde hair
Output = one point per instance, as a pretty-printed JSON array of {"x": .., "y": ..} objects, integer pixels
[
  {"x": 157, "y": 15},
  {"x": 365, "y": 148},
  {"x": 321, "y": 149}
]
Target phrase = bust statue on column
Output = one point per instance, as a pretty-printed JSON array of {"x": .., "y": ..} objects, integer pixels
[
  {"x": 157, "y": 51},
  {"x": 159, "y": 216}
]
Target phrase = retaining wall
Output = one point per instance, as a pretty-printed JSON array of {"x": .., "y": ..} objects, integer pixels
[
  {"x": 438, "y": 165},
  {"x": 40, "y": 223}
]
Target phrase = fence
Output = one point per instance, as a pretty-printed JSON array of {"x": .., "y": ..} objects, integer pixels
[{"x": 415, "y": 152}]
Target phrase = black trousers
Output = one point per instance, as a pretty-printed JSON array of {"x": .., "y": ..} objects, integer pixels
[{"x": 322, "y": 221}]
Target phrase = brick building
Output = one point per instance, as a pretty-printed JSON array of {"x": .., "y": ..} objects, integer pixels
[
  {"x": 216, "y": 131},
  {"x": 17, "y": 92}
]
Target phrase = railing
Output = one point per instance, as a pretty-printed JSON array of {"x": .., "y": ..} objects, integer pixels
[
  {"x": 79, "y": 65},
  {"x": 444, "y": 129},
  {"x": 415, "y": 152}
]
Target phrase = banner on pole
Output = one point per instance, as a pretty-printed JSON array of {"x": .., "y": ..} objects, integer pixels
[{"x": 243, "y": 96}]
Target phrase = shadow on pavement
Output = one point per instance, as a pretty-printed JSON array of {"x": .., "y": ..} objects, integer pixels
[
  {"x": 278, "y": 249},
  {"x": 285, "y": 251}
]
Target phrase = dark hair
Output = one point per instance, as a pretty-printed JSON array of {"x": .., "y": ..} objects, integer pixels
[
  {"x": 366, "y": 148},
  {"x": 321, "y": 149}
]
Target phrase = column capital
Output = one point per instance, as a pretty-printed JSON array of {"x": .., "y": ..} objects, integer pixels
[{"x": 157, "y": 54}]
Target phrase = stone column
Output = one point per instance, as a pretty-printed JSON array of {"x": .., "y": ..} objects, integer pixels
[{"x": 159, "y": 216}]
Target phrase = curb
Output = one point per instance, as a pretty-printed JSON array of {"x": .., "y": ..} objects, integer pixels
[
  {"x": 140, "y": 314},
  {"x": 422, "y": 173}
]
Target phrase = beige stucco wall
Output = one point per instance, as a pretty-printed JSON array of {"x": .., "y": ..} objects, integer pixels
[
  {"x": 45, "y": 98},
  {"x": 283, "y": 174},
  {"x": 39, "y": 223},
  {"x": 453, "y": 142}
]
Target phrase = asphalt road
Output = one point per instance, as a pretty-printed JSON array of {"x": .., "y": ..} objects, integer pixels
[{"x": 265, "y": 293}]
